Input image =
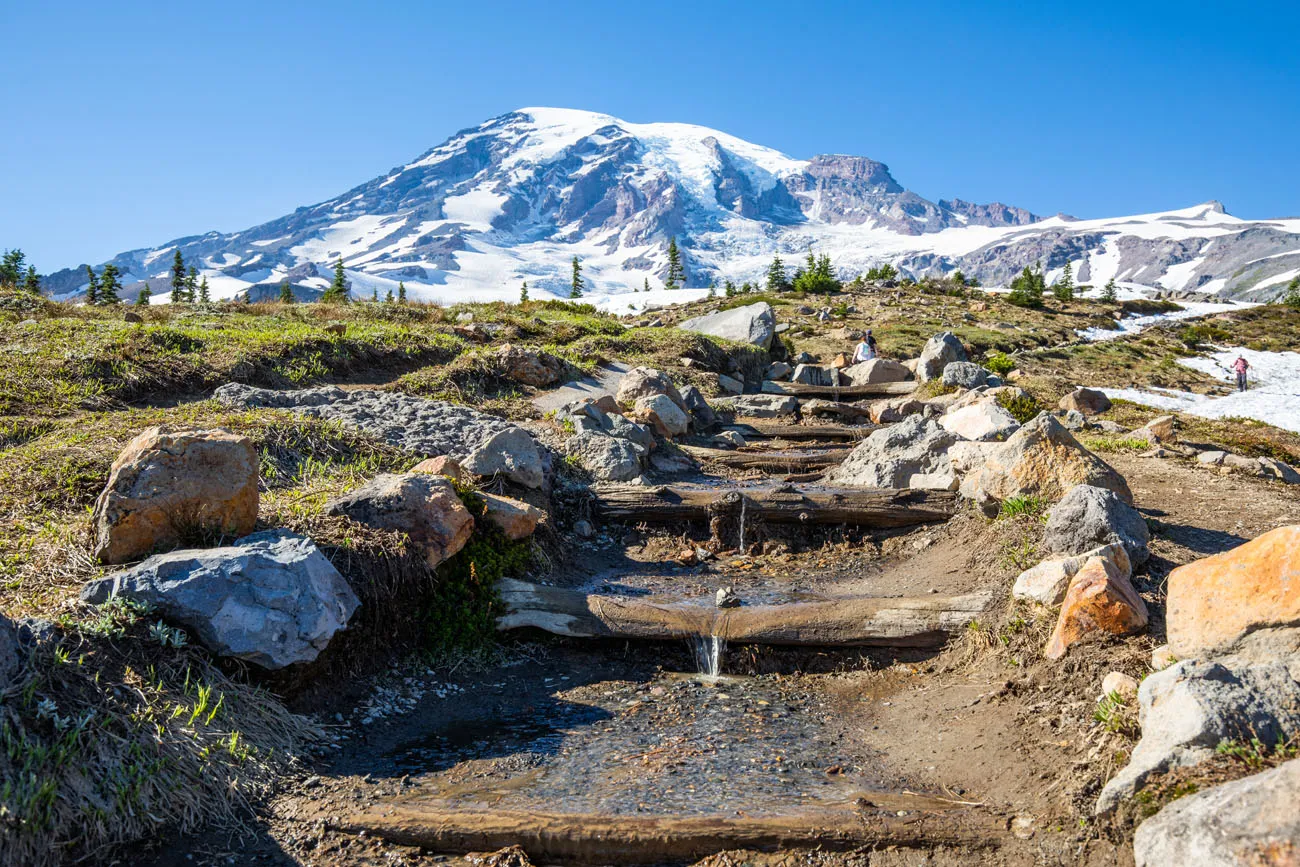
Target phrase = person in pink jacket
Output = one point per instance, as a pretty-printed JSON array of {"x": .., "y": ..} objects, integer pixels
[{"x": 1241, "y": 366}]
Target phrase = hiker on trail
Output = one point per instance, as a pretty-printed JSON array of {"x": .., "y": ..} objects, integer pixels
[
  {"x": 1241, "y": 366},
  {"x": 865, "y": 350}
]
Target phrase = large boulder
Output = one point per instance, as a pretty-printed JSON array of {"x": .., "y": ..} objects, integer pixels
[
  {"x": 1047, "y": 582},
  {"x": 609, "y": 459},
  {"x": 515, "y": 518},
  {"x": 1088, "y": 401},
  {"x": 753, "y": 323},
  {"x": 1100, "y": 600},
  {"x": 642, "y": 382},
  {"x": 1253, "y": 820},
  {"x": 424, "y": 507},
  {"x": 1088, "y": 516},
  {"x": 816, "y": 374},
  {"x": 875, "y": 371},
  {"x": 166, "y": 486},
  {"x": 964, "y": 374},
  {"x": 763, "y": 405},
  {"x": 1187, "y": 709},
  {"x": 984, "y": 421},
  {"x": 940, "y": 351},
  {"x": 910, "y": 454},
  {"x": 528, "y": 366},
  {"x": 659, "y": 411},
  {"x": 511, "y": 453},
  {"x": 271, "y": 598},
  {"x": 1043, "y": 459},
  {"x": 1246, "y": 600}
]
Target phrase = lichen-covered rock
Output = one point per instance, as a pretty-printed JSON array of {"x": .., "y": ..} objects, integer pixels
[
  {"x": 1189, "y": 708},
  {"x": 910, "y": 454},
  {"x": 609, "y": 459},
  {"x": 1088, "y": 516},
  {"x": 1245, "y": 600},
  {"x": 1100, "y": 599},
  {"x": 642, "y": 382},
  {"x": 753, "y": 323},
  {"x": 1043, "y": 459},
  {"x": 1088, "y": 401},
  {"x": 940, "y": 351},
  {"x": 165, "y": 486},
  {"x": 425, "y": 507},
  {"x": 529, "y": 366},
  {"x": 271, "y": 598},
  {"x": 517, "y": 519}
]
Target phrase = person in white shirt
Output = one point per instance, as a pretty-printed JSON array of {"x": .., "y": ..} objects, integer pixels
[{"x": 865, "y": 350}]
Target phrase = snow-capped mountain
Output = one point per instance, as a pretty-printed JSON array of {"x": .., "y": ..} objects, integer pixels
[{"x": 517, "y": 197}]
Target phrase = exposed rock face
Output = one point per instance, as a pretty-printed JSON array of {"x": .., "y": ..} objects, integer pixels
[
  {"x": 1189, "y": 707},
  {"x": 763, "y": 405},
  {"x": 1088, "y": 516},
  {"x": 964, "y": 374},
  {"x": 517, "y": 519},
  {"x": 1244, "y": 601},
  {"x": 425, "y": 427},
  {"x": 1248, "y": 821},
  {"x": 753, "y": 323},
  {"x": 666, "y": 417},
  {"x": 874, "y": 371},
  {"x": 608, "y": 458},
  {"x": 940, "y": 351},
  {"x": 1100, "y": 599},
  {"x": 424, "y": 507},
  {"x": 910, "y": 454},
  {"x": 642, "y": 382},
  {"x": 271, "y": 598},
  {"x": 529, "y": 366},
  {"x": 980, "y": 421},
  {"x": 1047, "y": 582},
  {"x": 1043, "y": 459},
  {"x": 164, "y": 486},
  {"x": 1088, "y": 401}
]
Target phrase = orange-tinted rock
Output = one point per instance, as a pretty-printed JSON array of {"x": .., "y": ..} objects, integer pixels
[
  {"x": 516, "y": 518},
  {"x": 1246, "y": 599},
  {"x": 1100, "y": 600},
  {"x": 443, "y": 465},
  {"x": 1043, "y": 459},
  {"x": 165, "y": 487},
  {"x": 424, "y": 507}
]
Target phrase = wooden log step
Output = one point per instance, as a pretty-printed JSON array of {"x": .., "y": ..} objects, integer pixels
[
  {"x": 840, "y": 392},
  {"x": 863, "y": 507},
  {"x": 774, "y": 430},
  {"x": 774, "y": 462},
  {"x": 922, "y": 621},
  {"x": 602, "y": 838}
]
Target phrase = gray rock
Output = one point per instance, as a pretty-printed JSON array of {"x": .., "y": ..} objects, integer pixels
[
  {"x": 1241, "y": 822},
  {"x": 729, "y": 439},
  {"x": 638, "y": 435},
  {"x": 666, "y": 417},
  {"x": 964, "y": 374},
  {"x": 1109, "y": 426},
  {"x": 271, "y": 598},
  {"x": 511, "y": 453},
  {"x": 778, "y": 371},
  {"x": 1072, "y": 419},
  {"x": 983, "y": 421},
  {"x": 753, "y": 323},
  {"x": 1212, "y": 457},
  {"x": 729, "y": 384},
  {"x": 424, "y": 507},
  {"x": 763, "y": 405},
  {"x": 608, "y": 458},
  {"x": 874, "y": 371},
  {"x": 816, "y": 374},
  {"x": 1189, "y": 707},
  {"x": 698, "y": 407},
  {"x": 1088, "y": 516},
  {"x": 940, "y": 351},
  {"x": 584, "y": 529},
  {"x": 642, "y": 382},
  {"x": 1088, "y": 401},
  {"x": 1280, "y": 471},
  {"x": 1243, "y": 463},
  {"x": 910, "y": 454}
]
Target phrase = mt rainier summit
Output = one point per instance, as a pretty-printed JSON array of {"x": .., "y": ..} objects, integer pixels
[{"x": 518, "y": 196}]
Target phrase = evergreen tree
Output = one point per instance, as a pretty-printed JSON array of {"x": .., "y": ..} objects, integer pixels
[
  {"x": 337, "y": 293},
  {"x": 647, "y": 284},
  {"x": 523, "y": 293},
  {"x": 32, "y": 282},
  {"x": 1108, "y": 293},
  {"x": 1027, "y": 289},
  {"x": 713, "y": 289},
  {"x": 192, "y": 285},
  {"x": 388, "y": 298},
  {"x": 676, "y": 276},
  {"x": 776, "y": 275},
  {"x": 819, "y": 277},
  {"x": 1291, "y": 298},
  {"x": 374, "y": 295},
  {"x": 178, "y": 277},
  {"x": 746, "y": 288},
  {"x": 286, "y": 293},
  {"x": 204, "y": 295},
  {"x": 729, "y": 289},
  {"x": 12, "y": 268},
  {"x": 92, "y": 287},
  {"x": 108, "y": 285},
  {"x": 1063, "y": 289},
  {"x": 575, "y": 286},
  {"x": 142, "y": 300},
  {"x": 401, "y": 292}
]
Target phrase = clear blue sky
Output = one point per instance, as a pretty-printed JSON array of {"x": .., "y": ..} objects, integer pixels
[{"x": 131, "y": 123}]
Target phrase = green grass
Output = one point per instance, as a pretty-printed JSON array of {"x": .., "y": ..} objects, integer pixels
[
  {"x": 1112, "y": 444},
  {"x": 1024, "y": 408},
  {"x": 1022, "y": 506}
]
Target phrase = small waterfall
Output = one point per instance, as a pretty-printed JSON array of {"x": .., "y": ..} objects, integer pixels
[
  {"x": 708, "y": 654},
  {"x": 742, "y": 524}
]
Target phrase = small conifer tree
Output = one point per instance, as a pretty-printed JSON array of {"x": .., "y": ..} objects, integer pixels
[
  {"x": 337, "y": 293},
  {"x": 32, "y": 282},
  {"x": 178, "y": 277},
  {"x": 576, "y": 284},
  {"x": 401, "y": 292},
  {"x": 776, "y": 281},
  {"x": 204, "y": 295},
  {"x": 1063, "y": 289},
  {"x": 1027, "y": 289},
  {"x": 388, "y": 297},
  {"x": 676, "y": 275},
  {"x": 92, "y": 287},
  {"x": 523, "y": 293},
  {"x": 286, "y": 293},
  {"x": 1291, "y": 298},
  {"x": 1108, "y": 292},
  {"x": 108, "y": 285},
  {"x": 142, "y": 300}
]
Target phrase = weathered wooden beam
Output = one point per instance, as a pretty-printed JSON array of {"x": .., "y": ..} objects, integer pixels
[
  {"x": 604, "y": 838},
  {"x": 770, "y": 430},
  {"x": 840, "y": 392},
  {"x": 774, "y": 462},
  {"x": 869, "y": 507},
  {"x": 923, "y": 621}
]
